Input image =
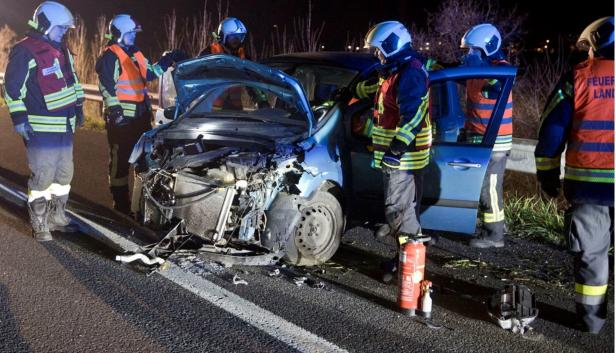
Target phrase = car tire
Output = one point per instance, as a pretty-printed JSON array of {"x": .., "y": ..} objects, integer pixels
[{"x": 318, "y": 233}]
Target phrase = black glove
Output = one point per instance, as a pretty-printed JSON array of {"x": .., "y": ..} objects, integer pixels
[
  {"x": 551, "y": 187},
  {"x": 171, "y": 57},
  {"x": 114, "y": 116},
  {"x": 550, "y": 181},
  {"x": 397, "y": 147},
  {"x": 166, "y": 60},
  {"x": 179, "y": 55}
]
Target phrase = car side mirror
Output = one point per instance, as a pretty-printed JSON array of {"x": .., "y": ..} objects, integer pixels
[{"x": 169, "y": 112}]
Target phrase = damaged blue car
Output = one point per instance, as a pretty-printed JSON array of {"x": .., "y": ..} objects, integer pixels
[{"x": 263, "y": 155}]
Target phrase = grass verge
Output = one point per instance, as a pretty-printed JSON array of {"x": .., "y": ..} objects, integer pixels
[
  {"x": 93, "y": 116},
  {"x": 535, "y": 218}
]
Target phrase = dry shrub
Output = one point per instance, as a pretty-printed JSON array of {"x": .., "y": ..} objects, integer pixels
[
  {"x": 7, "y": 39},
  {"x": 536, "y": 80},
  {"x": 445, "y": 27},
  {"x": 93, "y": 116}
]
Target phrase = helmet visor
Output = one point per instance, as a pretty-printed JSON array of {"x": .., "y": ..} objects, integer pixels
[{"x": 235, "y": 40}]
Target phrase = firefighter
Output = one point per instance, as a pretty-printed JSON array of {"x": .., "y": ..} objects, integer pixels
[
  {"x": 45, "y": 101},
  {"x": 229, "y": 40},
  {"x": 483, "y": 42},
  {"x": 363, "y": 126},
  {"x": 401, "y": 132},
  {"x": 580, "y": 116},
  {"x": 123, "y": 72}
]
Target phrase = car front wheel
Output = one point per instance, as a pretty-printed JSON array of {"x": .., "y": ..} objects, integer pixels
[{"x": 318, "y": 233}]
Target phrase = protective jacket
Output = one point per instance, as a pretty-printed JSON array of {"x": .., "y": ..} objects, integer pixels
[
  {"x": 401, "y": 112},
  {"x": 580, "y": 115},
  {"x": 41, "y": 86},
  {"x": 123, "y": 74}
]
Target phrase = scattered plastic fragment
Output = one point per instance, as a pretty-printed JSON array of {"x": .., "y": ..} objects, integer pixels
[
  {"x": 299, "y": 281},
  {"x": 143, "y": 258},
  {"x": 237, "y": 280}
]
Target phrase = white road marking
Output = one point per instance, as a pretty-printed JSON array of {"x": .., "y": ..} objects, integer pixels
[
  {"x": 277, "y": 327},
  {"x": 87, "y": 226},
  {"x": 264, "y": 320}
]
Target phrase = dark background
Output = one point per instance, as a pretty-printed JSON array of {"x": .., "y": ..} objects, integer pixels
[{"x": 545, "y": 19}]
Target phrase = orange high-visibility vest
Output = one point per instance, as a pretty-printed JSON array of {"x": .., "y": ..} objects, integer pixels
[
  {"x": 130, "y": 86},
  {"x": 479, "y": 110},
  {"x": 590, "y": 148}
]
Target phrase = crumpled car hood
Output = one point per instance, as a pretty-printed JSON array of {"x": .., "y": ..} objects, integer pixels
[{"x": 194, "y": 77}]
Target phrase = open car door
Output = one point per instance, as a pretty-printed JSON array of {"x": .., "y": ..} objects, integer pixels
[{"x": 453, "y": 179}]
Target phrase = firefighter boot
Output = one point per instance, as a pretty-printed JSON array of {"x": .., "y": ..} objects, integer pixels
[
  {"x": 38, "y": 210},
  {"x": 58, "y": 221}
]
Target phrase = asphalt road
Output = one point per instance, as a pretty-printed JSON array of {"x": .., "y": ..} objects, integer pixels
[{"x": 71, "y": 296}]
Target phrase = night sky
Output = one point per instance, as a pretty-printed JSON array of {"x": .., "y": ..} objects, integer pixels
[{"x": 339, "y": 16}]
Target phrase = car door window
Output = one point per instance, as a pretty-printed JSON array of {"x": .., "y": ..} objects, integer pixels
[{"x": 461, "y": 109}]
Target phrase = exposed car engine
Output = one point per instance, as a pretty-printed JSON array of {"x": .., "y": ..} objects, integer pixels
[{"x": 223, "y": 194}]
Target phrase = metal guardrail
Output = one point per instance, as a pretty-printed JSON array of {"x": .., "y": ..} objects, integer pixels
[
  {"x": 92, "y": 93},
  {"x": 521, "y": 159}
]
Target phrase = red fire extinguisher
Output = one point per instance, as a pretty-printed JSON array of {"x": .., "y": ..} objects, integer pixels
[{"x": 410, "y": 274}]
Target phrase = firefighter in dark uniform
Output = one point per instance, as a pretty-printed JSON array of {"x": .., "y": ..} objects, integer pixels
[
  {"x": 123, "y": 72},
  {"x": 45, "y": 101},
  {"x": 580, "y": 116},
  {"x": 401, "y": 131}
]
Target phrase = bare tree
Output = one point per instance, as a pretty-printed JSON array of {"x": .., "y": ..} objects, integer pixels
[
  {"x": 446, "y": 26},
  {"x": 173, "y": 39},
  {"x": 281, "y": 43},
  {"x": 80, "y": 46},
  {"x": 198, "y": 32},
  {"x": 536, "y": 80},
  {"x": 307, "y": 38}
]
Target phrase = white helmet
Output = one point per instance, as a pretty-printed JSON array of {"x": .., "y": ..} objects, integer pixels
[
  {"x": 597, "y": 35},
  {"x": 483, "y": 36},
  {"x": 230, "y": 26},
  {"x": 389, "y": 37},
  {"x": 50, "y": 14},
  {"x": 120, "y": 25}
]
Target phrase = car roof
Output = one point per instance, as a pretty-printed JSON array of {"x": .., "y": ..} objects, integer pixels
[{"x": 349, "y": 60}]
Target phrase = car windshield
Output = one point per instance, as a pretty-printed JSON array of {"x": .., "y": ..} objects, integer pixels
[
  {"x": 320, "y": 82},
  {"x": 250, "y": 102}
]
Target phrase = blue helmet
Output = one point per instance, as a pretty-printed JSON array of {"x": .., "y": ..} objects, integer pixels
[{"x": 231, "y": 26}]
